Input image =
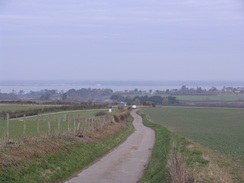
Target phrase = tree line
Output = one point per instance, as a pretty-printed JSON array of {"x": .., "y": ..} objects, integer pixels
[{"x": 145, "y": 100}]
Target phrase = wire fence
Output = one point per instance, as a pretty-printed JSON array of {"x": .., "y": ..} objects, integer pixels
[{"x": 51, "y": 125}]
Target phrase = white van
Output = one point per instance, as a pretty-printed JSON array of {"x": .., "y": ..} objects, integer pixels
[{"x": 133, "y": 107}]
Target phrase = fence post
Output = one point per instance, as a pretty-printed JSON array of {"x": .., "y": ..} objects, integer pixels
[
  {"x": 68, "y": 125},
  {"x": 59, "y": 125},
  {"x": 7, "y": 132},
  {"x": 38, "y": 125},
  {"x": 89, "y": 125},
  {"x": 92, "y": 125},
  {"x": 74, "y": 126},
  {"x": 86, "y": 124},
  {"x": 104, "y": 121},
  {"x": 49, "y": 126},
  {"x": 24, "y": 125},
  {"x": 78, "y": 128}
]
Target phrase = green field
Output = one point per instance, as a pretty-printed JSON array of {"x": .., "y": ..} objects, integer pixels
[
  {"x": 17, "y": 125},
  {"x": 13, "y": 107},
  {"x": 229, "y": 98},
  {"x": 212, "y": 98},
  {"x": 219, "y": 129}
]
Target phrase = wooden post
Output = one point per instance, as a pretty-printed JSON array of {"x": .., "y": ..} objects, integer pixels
[
  {"x": 78, "y": 128},
  {"x": 89, "y": 124},
  {"x": 101, "y": 123},
  {"x": 7, "y": 132},
  {"x": 92, "y": 124},
  {"x": 24, "y": 125},
  {"x": 74, "y": 126},
  {"x": 68, "y": 126},
  {"x": 59, "y": 125},
  {"x": 86, "y": 123},
  {"x": 38, "y": 126},
  {"x": 49, "y": 126}
]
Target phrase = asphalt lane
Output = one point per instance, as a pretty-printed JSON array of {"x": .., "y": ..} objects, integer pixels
[{"x": 126, "y": 163}]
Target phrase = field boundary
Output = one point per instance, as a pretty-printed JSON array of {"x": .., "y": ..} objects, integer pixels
[
  {"x": 214, "y": 166},
  {"x": 76, "y": 122},
  {"x": 60, "y": 112},
  {"x": 61, "y": 162}
]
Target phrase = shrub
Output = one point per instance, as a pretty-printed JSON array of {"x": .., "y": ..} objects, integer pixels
[{"x": 101, "y": 113}]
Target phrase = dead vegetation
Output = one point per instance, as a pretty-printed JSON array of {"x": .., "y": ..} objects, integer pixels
[
  {"x": 121, "y": 116},
  {"x": 177, "y": 167},
  {"x": 31, "y": 148},
  {"x": 220, "y": 169},
  {"x": 212, "y": 172}
]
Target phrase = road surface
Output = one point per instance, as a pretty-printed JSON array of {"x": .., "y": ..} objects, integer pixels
[{"x": 126, "y": 163}]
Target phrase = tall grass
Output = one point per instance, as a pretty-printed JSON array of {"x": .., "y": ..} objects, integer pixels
[{"x": 177, "y": 166}]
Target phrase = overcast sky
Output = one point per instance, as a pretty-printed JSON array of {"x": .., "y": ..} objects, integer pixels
[{"x": 122, "y": 39}]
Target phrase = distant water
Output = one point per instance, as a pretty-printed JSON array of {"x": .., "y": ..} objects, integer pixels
[{"x": 27, "y": 86}]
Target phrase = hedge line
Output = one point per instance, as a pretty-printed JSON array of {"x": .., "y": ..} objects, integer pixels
[{"x": 31, "y": 112}]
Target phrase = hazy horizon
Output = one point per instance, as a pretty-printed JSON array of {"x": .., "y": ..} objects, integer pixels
[
  {"x": 121, "y": 80},
  {"x": 27, "y": 86}
]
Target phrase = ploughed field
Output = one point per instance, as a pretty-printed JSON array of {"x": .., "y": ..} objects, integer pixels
[{"x": 220, "y": 129}]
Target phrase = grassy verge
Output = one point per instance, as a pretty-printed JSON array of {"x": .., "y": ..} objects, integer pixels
[
  {"x": 156, "y": 171},
  {"x": 219, "y": 129},
  {"x": 216, "y": 132},
  {"x": 159, "y": 171},
  {"x": 61, "y": 165}
]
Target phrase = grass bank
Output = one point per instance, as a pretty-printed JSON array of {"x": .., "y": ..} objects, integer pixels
[
  {"x": 219, "y": 129},
  {"x": 191, "y": 164},
  {"x": 62, "y": 161},
  {"x": 157, "y": 169}
]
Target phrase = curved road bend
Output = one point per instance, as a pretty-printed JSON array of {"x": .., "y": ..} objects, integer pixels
[{"x": 126, "y": 163}]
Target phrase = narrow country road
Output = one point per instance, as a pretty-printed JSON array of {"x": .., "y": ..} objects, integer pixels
[{"x": 126, "y": 163}]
